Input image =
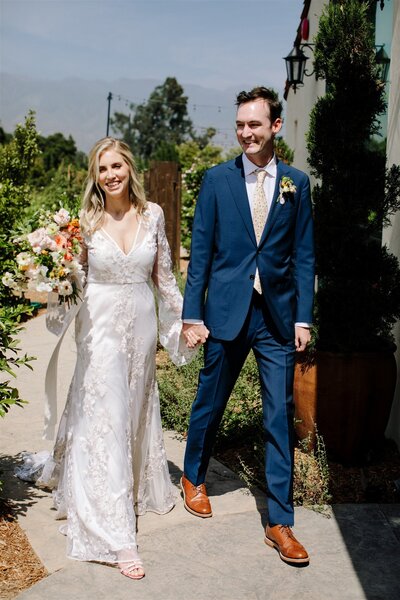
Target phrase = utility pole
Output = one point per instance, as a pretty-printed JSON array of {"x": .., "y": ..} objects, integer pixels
[{"x": 109, "y": 98}]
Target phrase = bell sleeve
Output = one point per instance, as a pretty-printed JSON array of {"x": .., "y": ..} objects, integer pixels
[{"x": 169, "y": 300}]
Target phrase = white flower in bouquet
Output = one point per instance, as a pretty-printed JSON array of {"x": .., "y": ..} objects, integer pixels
[
  {"x": 36, "y": 272},
  {"x": 65, "y": 288},
  {"x": 24, "y": 260},
  {"x": 62, "y": 217},
  {"x": 8, "y": 280},
  {"x": 43, "y": 286},
  {"x": 52, "y": 229}
]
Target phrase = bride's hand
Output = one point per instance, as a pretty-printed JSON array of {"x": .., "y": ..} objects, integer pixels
[{"x": 194, "y": 334}]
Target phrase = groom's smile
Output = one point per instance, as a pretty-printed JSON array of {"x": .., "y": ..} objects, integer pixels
[{"x": 255, "y": 132}]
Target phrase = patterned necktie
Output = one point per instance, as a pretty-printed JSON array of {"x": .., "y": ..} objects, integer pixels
[{"x": 260, "y": 211}]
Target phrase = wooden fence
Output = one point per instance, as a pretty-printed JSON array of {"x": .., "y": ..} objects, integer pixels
[{"x": 163, "y": 185}]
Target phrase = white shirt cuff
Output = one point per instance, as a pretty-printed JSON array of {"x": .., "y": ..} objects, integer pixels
[{"x": 193, "y": 321}]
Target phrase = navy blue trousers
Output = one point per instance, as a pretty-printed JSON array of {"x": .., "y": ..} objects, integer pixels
[{"x": 223, "y": 362}]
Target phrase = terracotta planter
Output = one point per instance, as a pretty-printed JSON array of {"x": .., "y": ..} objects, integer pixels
[{"x": 349, "y": 397}]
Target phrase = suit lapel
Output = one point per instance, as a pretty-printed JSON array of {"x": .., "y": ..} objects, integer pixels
[
  {"x": 275, "y": 206},
  {"x": 237, "y": 184}
]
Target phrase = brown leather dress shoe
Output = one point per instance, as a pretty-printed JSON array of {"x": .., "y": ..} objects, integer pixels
[
  {"x": 195, "y": 498},
  {"x": 290, "y": 550}
]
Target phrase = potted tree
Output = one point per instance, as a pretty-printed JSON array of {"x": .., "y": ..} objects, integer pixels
[{"x": 346, "y": 386}]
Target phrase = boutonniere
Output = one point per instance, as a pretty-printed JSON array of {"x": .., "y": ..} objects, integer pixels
[{"x": 286, "y": 186}]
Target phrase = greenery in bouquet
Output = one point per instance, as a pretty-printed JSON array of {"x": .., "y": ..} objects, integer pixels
[{"x": 47, "y": 257}]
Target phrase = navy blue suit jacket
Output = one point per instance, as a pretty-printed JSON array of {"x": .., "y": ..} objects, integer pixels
[{"x": 224, "y": 254}]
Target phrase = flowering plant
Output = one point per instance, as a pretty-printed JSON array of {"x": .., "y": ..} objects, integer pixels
[
  {"x": 286, "y": 186},
  {"x": 47, "y": 259}
]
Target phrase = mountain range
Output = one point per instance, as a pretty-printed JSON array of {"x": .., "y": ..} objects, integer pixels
[{"x": 78, "y": 107}]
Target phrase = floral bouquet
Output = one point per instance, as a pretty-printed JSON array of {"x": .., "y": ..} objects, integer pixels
[{"x": 47, "y": 259}]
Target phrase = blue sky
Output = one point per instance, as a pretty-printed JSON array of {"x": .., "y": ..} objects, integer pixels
[{"x": 210, "y": 43}]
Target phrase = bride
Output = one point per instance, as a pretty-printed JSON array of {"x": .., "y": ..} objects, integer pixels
[{"x": 109, "y": 463}]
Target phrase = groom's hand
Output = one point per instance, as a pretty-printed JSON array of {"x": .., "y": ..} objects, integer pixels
[
  {"x": 302, "y": 337},
  {"x": 194, "y": 334}
]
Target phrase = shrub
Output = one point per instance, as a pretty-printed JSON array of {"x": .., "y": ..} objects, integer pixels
[
  {"x": 9, "y": 359},
  {"x": 311, "y": 474},
  {"x": 17, "y": 155},
  {"x": 16, "y": 159}
]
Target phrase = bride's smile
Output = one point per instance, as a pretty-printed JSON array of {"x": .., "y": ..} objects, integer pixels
[{"x": 114, "y": 175}]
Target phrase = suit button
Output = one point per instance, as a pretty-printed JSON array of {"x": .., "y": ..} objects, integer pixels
[{"x": 252, "y": 276}]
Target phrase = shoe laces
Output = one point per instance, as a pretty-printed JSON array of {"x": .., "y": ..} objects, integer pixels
[
  {"x": 287, "y": 531},
  {"x": 200, "y": 488}
]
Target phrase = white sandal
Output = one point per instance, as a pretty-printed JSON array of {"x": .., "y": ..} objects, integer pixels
[{"x": 133, "y": 569}]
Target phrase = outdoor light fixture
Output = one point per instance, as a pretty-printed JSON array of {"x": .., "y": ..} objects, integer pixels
[
  {"x": 383, "y": 62},
  {"x": 296, "y": 65}
]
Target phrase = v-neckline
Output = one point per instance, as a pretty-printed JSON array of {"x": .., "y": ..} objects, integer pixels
[{"x": 118, "y": 246}]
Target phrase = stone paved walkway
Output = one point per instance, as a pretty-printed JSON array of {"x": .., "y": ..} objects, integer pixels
[{"x": 355, "y": 554}]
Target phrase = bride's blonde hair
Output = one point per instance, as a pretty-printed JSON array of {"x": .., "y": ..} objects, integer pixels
[{"x": 92, "y": 213}]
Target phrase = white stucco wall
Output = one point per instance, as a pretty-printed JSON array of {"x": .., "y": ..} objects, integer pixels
[
  {"x": 391, "y": 235},
  {"x": 299, "y": 104}
]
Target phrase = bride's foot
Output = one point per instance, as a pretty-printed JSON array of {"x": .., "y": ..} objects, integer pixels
[{"x": 133, "y": 569}]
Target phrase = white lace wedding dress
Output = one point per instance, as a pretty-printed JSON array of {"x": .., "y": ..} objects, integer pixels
[{"x": 109, "y": 462}]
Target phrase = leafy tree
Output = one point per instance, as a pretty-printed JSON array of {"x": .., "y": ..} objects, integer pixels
[
  {"x": 122, "y": 126},
  {"x": 165, "y": 151},
  {"x": 162, "y": 121},
  {"x": 205, "y": 139},
  {"x": 55, "y": 150},
  {"x": 4, "y": 136}
]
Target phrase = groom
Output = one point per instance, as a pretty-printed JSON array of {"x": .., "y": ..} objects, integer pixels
[{"x": 250, "y": 286}]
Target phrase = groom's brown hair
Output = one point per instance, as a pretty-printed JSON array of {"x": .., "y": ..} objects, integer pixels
[{"x": 263, "y": 93}]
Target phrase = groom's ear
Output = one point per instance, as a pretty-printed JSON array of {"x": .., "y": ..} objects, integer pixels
[{"x": 277, "y": 125}]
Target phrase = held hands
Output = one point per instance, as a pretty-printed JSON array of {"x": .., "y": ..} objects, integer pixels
[
  {"x": 302, "y": 337},
  {"x": 194, "y": 334},
  {"x": 197, "y": 334}
]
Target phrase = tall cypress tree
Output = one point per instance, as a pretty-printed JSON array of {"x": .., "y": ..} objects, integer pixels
[{"x": 358, "y": 298}]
